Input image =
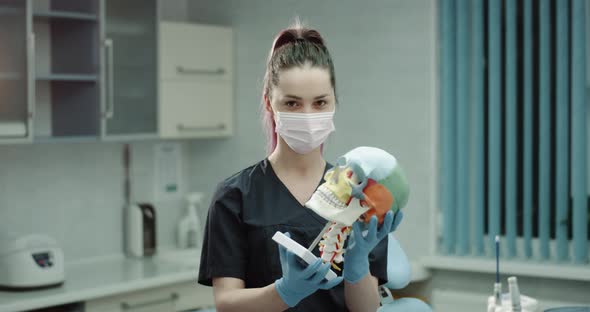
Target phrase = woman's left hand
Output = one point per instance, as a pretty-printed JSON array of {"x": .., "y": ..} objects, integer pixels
[{"x": 356, "y": 257}]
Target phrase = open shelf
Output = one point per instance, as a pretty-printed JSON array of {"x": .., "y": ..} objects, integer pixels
[
  {"x": 10, "y": 76},
  {"x": 68, "y": 77},
  {"x": 67, "y": 92},
  {"x": 66, "y": 109},
  {"x": 66, "y": 15},
  {"x": 68, "y": 139},
  {"x": 63, "y": 8},
  {"x": 13, "y": 128},
  {"x": 7, "y": 11}
]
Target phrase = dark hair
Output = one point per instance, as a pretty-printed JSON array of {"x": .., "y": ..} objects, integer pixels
[{"x": 292, "y": 47}]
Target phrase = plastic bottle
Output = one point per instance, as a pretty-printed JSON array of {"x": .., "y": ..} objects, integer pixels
[
  {"x": 189, "y": 227},
  {"x": 514, "y": 294}
]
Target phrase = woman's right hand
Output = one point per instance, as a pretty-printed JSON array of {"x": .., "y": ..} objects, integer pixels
[{"x": 299, "y": 281}]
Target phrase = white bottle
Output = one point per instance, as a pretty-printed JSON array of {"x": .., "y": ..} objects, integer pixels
[
  {"x": 189, "y": 228},
  {"x": 514, "y": 294}
]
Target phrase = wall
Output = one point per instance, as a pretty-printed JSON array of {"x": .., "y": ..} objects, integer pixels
[{"x": 383, "y": 55}]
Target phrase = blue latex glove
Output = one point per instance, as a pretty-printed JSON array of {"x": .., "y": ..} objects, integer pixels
[
  {"x": 299, "y": 281},
  {"x": 356, "y": 257}
]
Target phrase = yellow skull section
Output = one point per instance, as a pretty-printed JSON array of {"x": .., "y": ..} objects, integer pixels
[{"x": 338, "y": 181}]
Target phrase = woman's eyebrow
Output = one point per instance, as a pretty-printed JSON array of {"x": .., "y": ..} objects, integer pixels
[
  {"x": 293, "y": 96},
  {"x": 299, "y": 98}
]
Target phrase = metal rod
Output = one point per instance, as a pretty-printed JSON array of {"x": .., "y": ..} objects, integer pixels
[
  {"x": 110, "y": 109},
  {"x": 182, "y": 127},
  {"x": 127, "y": 167},
  {"x": 199, "y": 71},
  {"x": 319, "y": 237}
]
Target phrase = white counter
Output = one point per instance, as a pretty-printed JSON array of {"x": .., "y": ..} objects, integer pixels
[{"x": 100, "y": 277}]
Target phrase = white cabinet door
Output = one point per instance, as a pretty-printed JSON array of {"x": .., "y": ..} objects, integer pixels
[
  {"x": 161, "y": 300},
  {"x": 167, "y": 306},
  {"x": 173, "y": 298},
  {"x": 196, "y": 81},
  {"x": 195, "y": 109},
  {"x": 192, "y": 50}
]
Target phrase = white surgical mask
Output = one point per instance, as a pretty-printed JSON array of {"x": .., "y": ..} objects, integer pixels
[{"x": 304, "y": 132}]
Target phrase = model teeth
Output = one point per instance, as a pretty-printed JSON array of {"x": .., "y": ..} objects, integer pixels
[
  {"x": 329, "y": 206},
  {"x": 327, "y": 197}
]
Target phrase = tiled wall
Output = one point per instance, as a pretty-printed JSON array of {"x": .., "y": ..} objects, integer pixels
[{"x": 74, "y": 193}]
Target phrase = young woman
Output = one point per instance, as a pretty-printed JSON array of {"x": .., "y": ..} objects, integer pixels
[{"x": 247, "y": 269}]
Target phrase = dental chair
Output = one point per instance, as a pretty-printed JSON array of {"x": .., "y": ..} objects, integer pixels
[{"x": 399, "y": 274}]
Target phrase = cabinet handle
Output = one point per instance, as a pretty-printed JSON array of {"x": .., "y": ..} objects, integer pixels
[
  {"x": 197, "y": 71},
  {"x": 110, "y": 109},
  {"x": 31, "y": 98},
  {"x": 128, "y": 306},
  {"x": 182, "y": 127}
]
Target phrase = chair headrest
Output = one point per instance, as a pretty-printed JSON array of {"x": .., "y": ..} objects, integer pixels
[{"x": 399, "y": 270}]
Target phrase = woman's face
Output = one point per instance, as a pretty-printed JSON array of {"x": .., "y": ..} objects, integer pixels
[{"x": 303, "y": 89}]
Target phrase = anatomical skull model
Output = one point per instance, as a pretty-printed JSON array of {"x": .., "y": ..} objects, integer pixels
[{"x": 364, "y": 182}]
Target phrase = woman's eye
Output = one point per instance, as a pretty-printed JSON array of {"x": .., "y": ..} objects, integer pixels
[
  {"x": 291, "y": 104},
  {"x": 321, "y": 103}
]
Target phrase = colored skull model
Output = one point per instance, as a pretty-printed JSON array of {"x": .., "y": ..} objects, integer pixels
[{"x": 364, "y": 182}]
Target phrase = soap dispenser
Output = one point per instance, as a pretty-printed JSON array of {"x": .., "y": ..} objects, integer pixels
[{"x": 189, "y": 227}]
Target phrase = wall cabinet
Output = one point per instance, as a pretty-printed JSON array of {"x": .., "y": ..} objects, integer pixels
[
  {"x": 78, "y": 70},
  {"x": 74, "y": 70},
  {"x": 196, "y": 70}
]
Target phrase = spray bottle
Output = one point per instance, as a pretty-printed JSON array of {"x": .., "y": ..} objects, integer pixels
[{"x": 189, "y": 228}]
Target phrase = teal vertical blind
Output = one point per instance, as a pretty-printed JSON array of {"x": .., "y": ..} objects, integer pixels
[
  {"x": 477, "y": 141},
  {"x": 527, "y": 141},
  {"x": 510, "y": 124},
  {"x": 514, "y": 101},
  {"x": 494, "y": 111},
  {"x": 543, "y": 168},
  {"x": 579, "y": 131},
  {"x": 562, "y": 133},
  {"x": 462, "y": 127},
  {"x": 448, "y": 118}
]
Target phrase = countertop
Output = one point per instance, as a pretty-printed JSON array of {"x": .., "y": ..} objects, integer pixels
[{"x": 106, "y": 276}]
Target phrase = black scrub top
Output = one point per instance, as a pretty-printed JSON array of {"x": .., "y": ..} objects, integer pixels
[{"x": 246, "y": 210}]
